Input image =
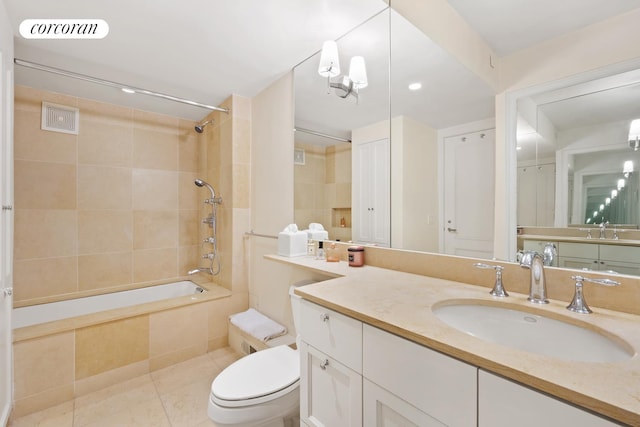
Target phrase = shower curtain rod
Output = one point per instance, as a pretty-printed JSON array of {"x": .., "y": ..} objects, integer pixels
[
  {"x": 113, "y": 84},
  {"x": 313, "y": 132}
]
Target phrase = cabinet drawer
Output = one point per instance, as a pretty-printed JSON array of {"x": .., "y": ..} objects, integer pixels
[
  {"x": 578, "y": 250},
  {"x": 438, "y": 385},
  {"x": 335, "y": 334},
  {"x": 620, "y": 253}
]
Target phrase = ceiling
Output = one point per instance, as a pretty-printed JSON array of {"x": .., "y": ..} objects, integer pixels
[{"x": 205, "y": 50}]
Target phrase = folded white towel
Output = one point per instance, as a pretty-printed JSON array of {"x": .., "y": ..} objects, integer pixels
[{"x": 257, "y": 324}]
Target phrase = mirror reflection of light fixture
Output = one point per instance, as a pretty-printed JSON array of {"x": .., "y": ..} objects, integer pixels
[
  {"x": 330, "y": 67},
  {"x": 621, "y": 184},
  {"x": 627, "y": 169},
  {"x": 607, "y": 201},
  {"x": 614, "y": 194},
  {"x": 634, "y": 135}
]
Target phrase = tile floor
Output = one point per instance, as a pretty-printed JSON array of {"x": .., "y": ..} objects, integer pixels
[{"x": 175, "y": 396}]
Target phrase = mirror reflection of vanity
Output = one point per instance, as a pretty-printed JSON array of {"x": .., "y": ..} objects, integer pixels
[
  {"x": 578, "y": 178},
  {"x": 338, "y": 136}
]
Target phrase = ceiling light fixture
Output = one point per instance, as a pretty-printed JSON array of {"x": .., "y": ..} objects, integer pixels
[
  {"x": 627, "y": 168},
  {"x": 634, "y": 134},
  {"x": 415, "y": 86},
  {"x": 330, "y": 67},
  {"x": 621, "y": 184},
  {"x": 127, "y": 90}
]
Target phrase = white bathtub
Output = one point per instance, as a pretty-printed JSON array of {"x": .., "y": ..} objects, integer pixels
[{"x": 42, "y": 313}]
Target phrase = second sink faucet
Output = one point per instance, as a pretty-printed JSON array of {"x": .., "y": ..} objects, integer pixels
[
  {"x": 537, "y": 286},
  {"x": 603, "y": 229}
]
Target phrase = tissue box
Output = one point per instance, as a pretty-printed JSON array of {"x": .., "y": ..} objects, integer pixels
[
  {"x": 292, "y": 243},
  {"x": 321, "y": 235},
  {"x": 317, "y": 232}
]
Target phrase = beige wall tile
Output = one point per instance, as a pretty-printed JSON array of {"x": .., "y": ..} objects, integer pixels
[
  {"x": 241, "y": 185},
  {"x": 155, "y": 229},
  {"x": 241, "y": 107},
  {"x": 188, "y": 146},
  {"x": 104, "y": 187},
  {"x": 174, "y": 330},
  {"x": 45, "y": 234},
  {"x": 109, "y": 378},
  {"x": 104, "y": 270},
  {"x": 241, "y": 141},
  {"x": 32, "y": 143},
  {"x": 155, "y": 264},
  {"x": 190, "y": 196},
  {"x": 36, "y": 374},
  {"x": 153, "y": 149},
  {"x": 218, "y": 312},
  {"x": 43, "y": 400},
  {"x": 149, "y": 120},
  {"x": 155, "y": 190},
  {"x": 106, "y": 143},
  {"x": 44, "y": 185},
  {"x": 44, "y": 277},
  {"x": 103, "y": 112},
  {"x": 188, "y": 258},
  {"x": 104, "y": 231},
  {"x": 28, "y": 98},
  {"x": 112, "y": 345},
  {"x": 189, "y": 223}
]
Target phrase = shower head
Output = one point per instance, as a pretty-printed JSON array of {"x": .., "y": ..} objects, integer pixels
[
  {"x": 200, "y": 128},
  {"x": 201, "y": 183}
]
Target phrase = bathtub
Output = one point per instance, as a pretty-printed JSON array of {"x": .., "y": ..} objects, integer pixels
[
  {"x": 96, "y": 341},
  {"x": 49, "y": 312}
]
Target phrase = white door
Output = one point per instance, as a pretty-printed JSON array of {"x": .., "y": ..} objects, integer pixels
[
  {"x": 469, "y": 194},
  {"x": 6, "y": 234}
]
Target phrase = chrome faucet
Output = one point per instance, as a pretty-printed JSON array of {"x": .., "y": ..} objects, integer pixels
[
  {"x": 578, "y": 304},
  {"x": 538, "y": 286},
  {"x": 549, "y": 252},
  {"x": 603, "y": 229}
]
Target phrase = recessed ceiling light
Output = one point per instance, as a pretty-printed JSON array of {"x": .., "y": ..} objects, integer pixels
[
  {"x": 518, "y": 148},
  {"x": 127, "y": 90},
  {"x": 415, "y": 86}
]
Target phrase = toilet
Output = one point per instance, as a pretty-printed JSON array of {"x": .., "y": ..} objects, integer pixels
[{"x": 261, "y": 389}]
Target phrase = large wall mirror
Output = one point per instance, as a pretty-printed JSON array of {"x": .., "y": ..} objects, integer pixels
[
  {"x": 414, "y": 90},
  {"x": 578, "y": 157}
]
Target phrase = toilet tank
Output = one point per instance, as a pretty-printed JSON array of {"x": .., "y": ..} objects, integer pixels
[{"x": 295, "y": 301}]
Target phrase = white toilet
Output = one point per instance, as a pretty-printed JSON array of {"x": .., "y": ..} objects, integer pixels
[{"x": 261, "y": 389}]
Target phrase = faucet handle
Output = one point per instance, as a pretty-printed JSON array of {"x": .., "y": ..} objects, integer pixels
[
  {"x": 588, "y": 230},
  {"x": 498, "y": 287},
  {"x": 578, "y": 303}
]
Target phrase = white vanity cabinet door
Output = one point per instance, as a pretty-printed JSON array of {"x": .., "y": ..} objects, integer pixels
[
  {"x": 384, "y": 409},
  {"x": 335, "y": 334},
  {"x": 503, "y": 403},
  {"x": 578, "y": 263},
  {"x": 330, "y": 392},
  {"x": 440, "y": 386}
]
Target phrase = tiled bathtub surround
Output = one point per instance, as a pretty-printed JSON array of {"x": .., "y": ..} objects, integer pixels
[
  {"x": 91, "y": 352},
  {"x": 114, "y": 208},
  {"x": 103, "y": 208}
]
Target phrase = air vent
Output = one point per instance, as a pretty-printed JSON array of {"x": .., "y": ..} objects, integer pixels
[{"x": 60, "y": 118}]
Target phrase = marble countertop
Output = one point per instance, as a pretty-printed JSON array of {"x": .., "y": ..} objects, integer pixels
[
  {"x": 572, "y": 239},
  {"x": 402, "y": 303}
]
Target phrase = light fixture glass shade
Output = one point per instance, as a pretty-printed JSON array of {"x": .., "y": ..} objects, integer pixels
[
  {"x": 329, "y": 60},
  {"x": 627, "y": 168},
  {"x": 621, "y": 184},
  {"x": 614, "y": 194},
  {"x": 358, "y": 72},
  {"x": 634, "y": 130},
  {"x": 607, "y": 201}
]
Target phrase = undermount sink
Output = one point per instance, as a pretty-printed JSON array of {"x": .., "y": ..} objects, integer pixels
[{"x": 533, "y": 333}]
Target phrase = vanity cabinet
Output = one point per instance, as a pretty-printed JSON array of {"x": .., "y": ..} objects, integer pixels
[
  {"x": 408, "y": 384},
  {"x": 330, "y": 367},
  {"x": 600, "y": 257},
  {"x": 371, "y": 192},
  {"x": 504, "y": 403}
]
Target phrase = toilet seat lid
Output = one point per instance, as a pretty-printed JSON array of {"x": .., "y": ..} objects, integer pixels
[{"x": 258, "y": 374}]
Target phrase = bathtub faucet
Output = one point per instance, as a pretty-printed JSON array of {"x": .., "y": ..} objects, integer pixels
[{"x": 200, "y": 270}]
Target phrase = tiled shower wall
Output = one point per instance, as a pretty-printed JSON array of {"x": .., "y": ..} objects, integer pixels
[{"x": 111, "y": 206}]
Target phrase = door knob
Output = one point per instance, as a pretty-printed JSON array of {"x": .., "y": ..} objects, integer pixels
[{"x": 451, "y": 230}]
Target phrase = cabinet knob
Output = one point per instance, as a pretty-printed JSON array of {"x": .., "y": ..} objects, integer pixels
[
  {"x": 324, "y": 317},
  {"x": 324, "y": 364}
]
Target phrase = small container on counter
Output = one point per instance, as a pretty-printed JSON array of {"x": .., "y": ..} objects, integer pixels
[
  {"x": 356, "y": 256},
  {"x": 331, "y": 252}
]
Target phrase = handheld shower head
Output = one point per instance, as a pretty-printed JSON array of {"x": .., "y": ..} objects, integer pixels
[
  {"x": 201, "y": 183},
  {"x": 200, "y": 127}
]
